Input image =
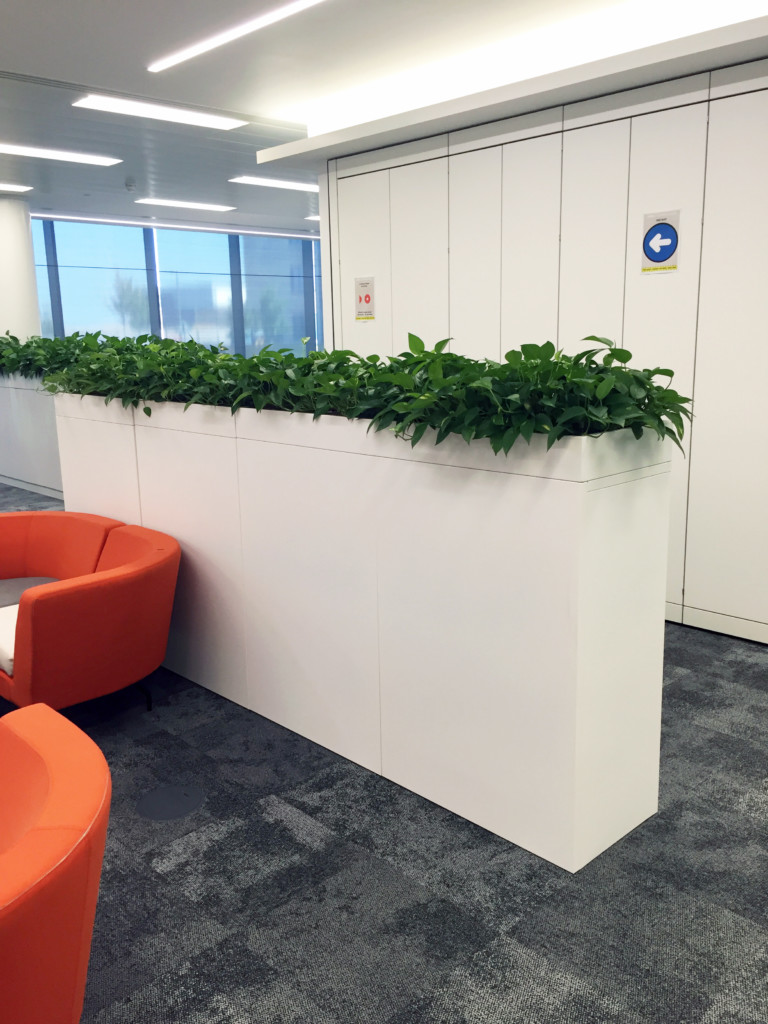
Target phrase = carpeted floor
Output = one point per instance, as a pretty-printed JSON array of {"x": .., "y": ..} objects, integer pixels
[
  {"x": 16, "y": 499},
  {"x": 306, "y": 890}
]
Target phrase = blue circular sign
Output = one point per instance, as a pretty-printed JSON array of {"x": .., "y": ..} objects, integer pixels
[{"x": 660, "y": 243}]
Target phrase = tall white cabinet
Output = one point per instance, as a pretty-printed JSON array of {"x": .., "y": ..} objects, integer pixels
[
  {"x": 531, "y": 229},
  {"x": 726, "y": 582}
]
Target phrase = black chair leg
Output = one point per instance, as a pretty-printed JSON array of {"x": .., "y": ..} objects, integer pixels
[{"x": 147, "y": 695}]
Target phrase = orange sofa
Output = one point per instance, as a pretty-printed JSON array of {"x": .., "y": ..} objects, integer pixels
[
  {"x": 55, "y": 791},
  {"x": 102, "y": 625}
]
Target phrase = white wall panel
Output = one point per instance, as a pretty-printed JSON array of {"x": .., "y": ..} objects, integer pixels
[
  {"x": 727, "y": 559},
  {"x": 475, "y": 253},
  {"x": 309, "y": 554},
  {"x": 660, "y": 96},
  {"x": 364, "y": 227},
  {"x": 511, "y": 129},
  {"x": 530, "y": 244},
  {"x": 419, "y": 205},
  {"x": 393, "y": 156},
  {"x": 667, "y": 173},
  {"x": 741, "y": 78},
  {"x": 593, "y": 232},
  {"x": 188, "y": 487},
  {"x": 94, "y": 434},
  {"x": 29, "y": 453}
]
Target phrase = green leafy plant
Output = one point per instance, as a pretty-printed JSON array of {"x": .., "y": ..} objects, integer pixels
[
  {"x": 536, "y": 390},
  {"x": 421, "y": 393}
]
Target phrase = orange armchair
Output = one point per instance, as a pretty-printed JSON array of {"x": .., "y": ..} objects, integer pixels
[
  {"x": 55, "y": 790},
  {"x": 103, "y": 625}
]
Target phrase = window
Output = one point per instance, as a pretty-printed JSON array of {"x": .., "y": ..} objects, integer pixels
[
  {"x": 102, "y": 277},
  {"x": 123, "y": 280},
  {"x": 278, "y": 293},
  {"x": 195, "y": 286}
]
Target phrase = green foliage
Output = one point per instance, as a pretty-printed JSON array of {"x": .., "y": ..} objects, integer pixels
[
  {"x": 536, "y": 390},
  {"x": 40, "y": 356}
]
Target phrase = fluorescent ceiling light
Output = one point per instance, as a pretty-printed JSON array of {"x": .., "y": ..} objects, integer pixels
[
  {"x": 58, "y": 154},
  {"x": 186, "y": 206},
  {"x": 315, "y": 216},
  {"x": 15, "y": 188},
  {"x": 135, "y": 108},
  {"x": 300, "y": 186},
  {"x": 253, "y": 25}
]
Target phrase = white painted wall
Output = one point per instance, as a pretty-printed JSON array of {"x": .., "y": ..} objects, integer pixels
[
  {"x": 19, "y": 309},
  {"x": 544, "y": 229}
]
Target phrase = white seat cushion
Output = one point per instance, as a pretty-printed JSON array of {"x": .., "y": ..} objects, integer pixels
[{"x": 8, "y": 616}]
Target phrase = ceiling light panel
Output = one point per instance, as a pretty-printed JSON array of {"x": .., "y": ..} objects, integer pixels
[
  {"x": 14, "y": 188},
  {"x": 158, "y": 112},
  {"x": 184, "y": 205},
  {"x": 299, "y": 186},
  {"x": 229, "y": 35},
  {"x": 58, "y": 154}
]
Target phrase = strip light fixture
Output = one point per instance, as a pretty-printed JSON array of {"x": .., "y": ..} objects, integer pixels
[
  {"x": 315, "y": 216},
  {"x": 237, "y": 32},
  {"x": 158, "y": 112},
  {"x": 14, "y": 188},
  {"x": 300, "y": 186},
  {"x": 58, "y": 154},
  {"x": 185, "y": 205}
]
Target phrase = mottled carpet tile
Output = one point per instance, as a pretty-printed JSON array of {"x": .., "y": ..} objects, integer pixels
[
  {"x": 18, "y": 499},
  {"x": 307, "y": 890}
]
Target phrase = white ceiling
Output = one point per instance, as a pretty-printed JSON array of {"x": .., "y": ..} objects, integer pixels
[{"x": 53, "y": 52}]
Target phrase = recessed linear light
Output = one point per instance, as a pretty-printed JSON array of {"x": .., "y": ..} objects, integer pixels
[
  {"x": 135, "y": 108},
  {"x": 300, "y": 186},
  {"x": 184, "y": 205},
  {"x": 58, "y": 154},
  {"x": 15, "y": 188},
  {"x": 253, "y": 25},
  {"x": 315, "y": 216}
]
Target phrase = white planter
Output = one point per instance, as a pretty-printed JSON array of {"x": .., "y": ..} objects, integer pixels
[
  {"x": 484, "y": 630},
  {"x": 29, "y": 454}
]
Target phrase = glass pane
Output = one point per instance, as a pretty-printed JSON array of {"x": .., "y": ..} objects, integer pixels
[
  {"x": 44, "y": 302},
  {"x": 99, "y": 245},
  {"x": 278, "y": 293},
  {"x": 192, "y": 252},
  {"x": 96, "y": 299},
  {"x": 196, "y": 306},
  {"x": 195, "y": 286}
]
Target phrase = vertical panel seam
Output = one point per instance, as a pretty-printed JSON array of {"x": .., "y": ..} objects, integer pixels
[
  {"x": 559, "y": 227},
  {"x": 626, "y": 236},
  {"x": 696, "y": 347}
]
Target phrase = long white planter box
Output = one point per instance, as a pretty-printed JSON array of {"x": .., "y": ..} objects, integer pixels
[
  {"x": 28, "y": 453},
  {"x": 484, "y": 630}
]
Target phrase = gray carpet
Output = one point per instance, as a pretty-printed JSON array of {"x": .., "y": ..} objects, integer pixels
[
  {"x": 16, "y": 499},
  {"x": 306, "y": 890}
]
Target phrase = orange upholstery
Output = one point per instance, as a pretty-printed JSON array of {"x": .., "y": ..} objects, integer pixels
[
  {"x": 55, "y": 790},
  {"x": 93, "y": 632}
]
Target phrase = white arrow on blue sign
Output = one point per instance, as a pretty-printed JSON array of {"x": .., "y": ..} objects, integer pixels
[{"x": 660, "y": 241}]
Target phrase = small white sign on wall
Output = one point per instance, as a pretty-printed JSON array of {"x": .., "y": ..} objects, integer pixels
[
  {"x": 364, "y": 298},
  {"x": 661, "y": 241}
]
